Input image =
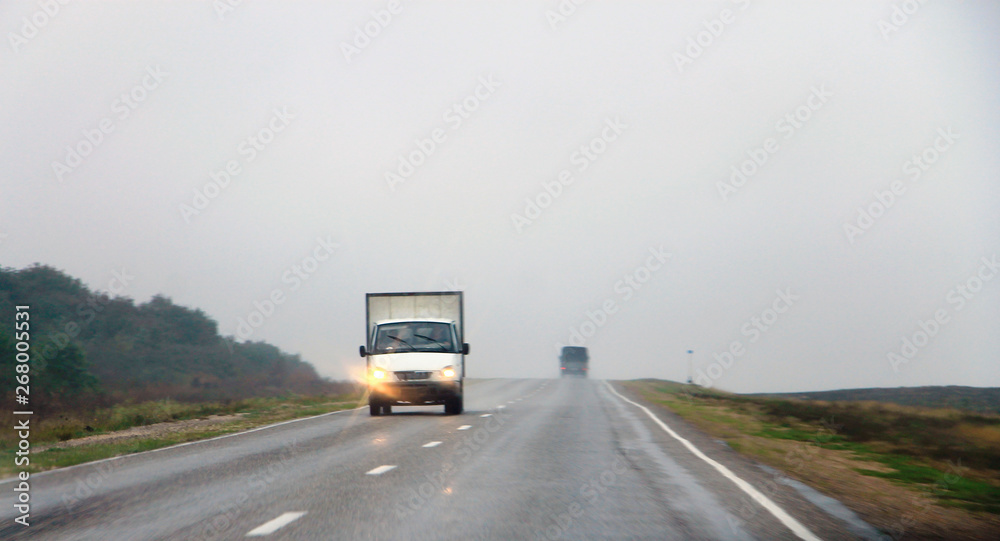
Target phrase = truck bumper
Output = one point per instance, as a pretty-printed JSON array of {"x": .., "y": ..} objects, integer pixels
[{"x": 420, "y": 392}]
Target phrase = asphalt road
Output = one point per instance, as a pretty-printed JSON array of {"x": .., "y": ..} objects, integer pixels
[{"x": 529, "y": 459}]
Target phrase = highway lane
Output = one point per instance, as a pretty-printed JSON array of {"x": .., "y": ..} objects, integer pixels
[{"x": 530, "y": 459}]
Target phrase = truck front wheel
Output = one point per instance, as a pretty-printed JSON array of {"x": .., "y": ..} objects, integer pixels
[
  {"x": 453, "y": 406},
  {"x": 374, "y": 405}
]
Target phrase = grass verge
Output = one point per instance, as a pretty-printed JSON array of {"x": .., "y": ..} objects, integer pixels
[
  {"x": 71, "y": 439},
  {"x": 926, "y": 472}
]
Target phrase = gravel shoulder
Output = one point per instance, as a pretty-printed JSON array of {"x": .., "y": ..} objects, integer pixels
[{"x": 157, "y": 430}]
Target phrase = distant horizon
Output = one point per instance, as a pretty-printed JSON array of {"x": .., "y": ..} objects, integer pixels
[
  {"x": 817, "y": 391},
  {"x": 361, "y": 379}
]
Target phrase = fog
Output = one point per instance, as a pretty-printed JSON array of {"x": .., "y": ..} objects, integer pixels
[{"x": 803, "y": 193}]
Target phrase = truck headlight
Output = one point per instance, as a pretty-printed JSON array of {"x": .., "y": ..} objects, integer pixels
[
  {"x": 378, "y": 374},
  {"x": 448, "y": 372}
]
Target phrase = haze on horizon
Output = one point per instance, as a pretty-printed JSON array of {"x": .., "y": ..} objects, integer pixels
[{"x": 807, "y": 186}]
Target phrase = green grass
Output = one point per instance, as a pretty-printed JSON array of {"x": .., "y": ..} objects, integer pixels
[
  {"x": 62, "y": 457},
  {"x": 948, "y": 488},
  {"x": 253, "y": 412},
  {"x": 122, "y": 416},
  {"x": 949, "y": 454}
]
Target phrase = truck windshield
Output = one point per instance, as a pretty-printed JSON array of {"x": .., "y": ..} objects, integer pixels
[{"x": 414, "y": 336}]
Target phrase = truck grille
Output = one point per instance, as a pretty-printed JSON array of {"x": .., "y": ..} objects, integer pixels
[{"x": 411, "y": 376}]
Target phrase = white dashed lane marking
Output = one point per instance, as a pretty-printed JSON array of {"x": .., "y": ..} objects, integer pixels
[
  {"x": 381, "y": 469},
  {"x": 432, "y": 444},
  {"x": 273, "y": 525},
  {"x": 464, "y": 427}
]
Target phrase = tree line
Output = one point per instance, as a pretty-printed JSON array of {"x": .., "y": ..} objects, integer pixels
[{"x": 90, "y": 349}]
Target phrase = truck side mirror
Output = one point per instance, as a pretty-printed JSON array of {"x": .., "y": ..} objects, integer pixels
[
  {"x": 362, "y": 351},
  {"x": 465, "y": 349}
]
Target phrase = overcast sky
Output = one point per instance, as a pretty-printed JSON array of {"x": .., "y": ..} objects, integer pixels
[{"x": 809, "y": 186}]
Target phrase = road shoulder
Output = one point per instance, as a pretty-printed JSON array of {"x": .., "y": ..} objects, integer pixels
[{"x": 815, "y": 472}]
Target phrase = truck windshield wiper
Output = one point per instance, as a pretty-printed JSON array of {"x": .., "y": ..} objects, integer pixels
[
  {"x": 398, "y": 339},
  {"x": 438, "y": 343}
]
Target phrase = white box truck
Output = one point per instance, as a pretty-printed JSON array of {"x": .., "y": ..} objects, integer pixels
[{"x": 415, "y": 350}]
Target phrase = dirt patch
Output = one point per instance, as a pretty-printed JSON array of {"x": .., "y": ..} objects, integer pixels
[
  {"x": 901, "y": 512},
  {"x": 148, "y": 431}
]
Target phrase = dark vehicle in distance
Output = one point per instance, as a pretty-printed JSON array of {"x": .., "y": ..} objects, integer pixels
[{"x": 573, "y": 361}]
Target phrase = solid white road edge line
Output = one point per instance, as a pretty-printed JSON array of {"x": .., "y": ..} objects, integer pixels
[
  {"x": 273, "y": 525},
  {"x": 795, "y": 526},
  {"x": 381, "y": 469},
  {"x": 185, "y": 444}
]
